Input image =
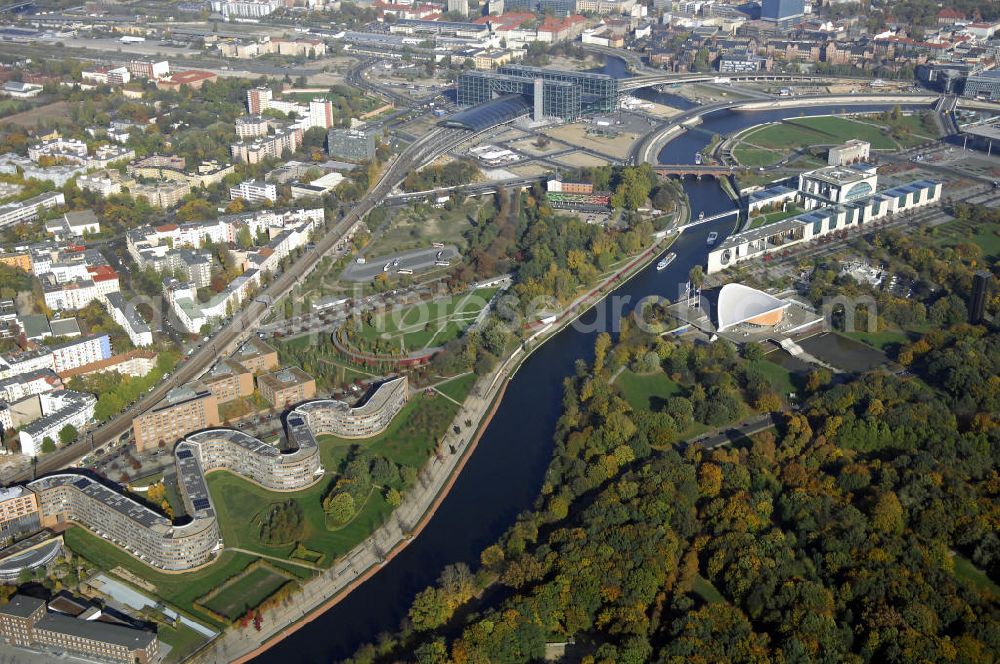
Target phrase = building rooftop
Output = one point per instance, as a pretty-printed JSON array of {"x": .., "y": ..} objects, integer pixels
[
  {"x": 97, "y": 491},
  {"x": 95, "y": 630},
  {"x": 284, "y": 378},
  {"x": 21, "y": 606}
]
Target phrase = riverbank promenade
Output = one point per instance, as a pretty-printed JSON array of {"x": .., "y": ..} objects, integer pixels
[{"x": 419, "y": 505}]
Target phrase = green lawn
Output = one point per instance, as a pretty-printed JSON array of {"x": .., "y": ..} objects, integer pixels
[
  {"x": 968, "y": 572},
  {"x": 182, "y": 641},
  {"x": 779, "y": 376},
  {"x": 772, "y": 217},
  {"x": 645, "y": 391},
  {"x": 431, "y": 323},
  {"x": 960, "y": 231},
  {"x": 458, "y": 388},
  {"x": 808, "y": 131},
  {"x": 246, "y": 593},
  {"x": 411, "y": 436},
  {"x": 179, "y": 590},
  {"x": 417, "y": 227},
  {"x": 704, "y": 589},
  {"x": 236, "y": 501},
  {"x": 753, "y": 157},
  {"x": 883, "y": 341}
]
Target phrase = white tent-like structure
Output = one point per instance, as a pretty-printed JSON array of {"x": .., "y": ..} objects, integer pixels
[{"x": 741, "y": 304}]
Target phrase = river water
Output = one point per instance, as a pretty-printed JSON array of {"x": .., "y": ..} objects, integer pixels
[{"x": 504, "y": 474}]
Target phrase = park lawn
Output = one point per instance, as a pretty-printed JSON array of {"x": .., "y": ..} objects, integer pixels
[
  {"x": 419, "y": 226},
  {"x": 753, "y": 157},
  {"x": 179, "y": 590},
  {"x": 182, "y": 641},
  {"x": 430, "y": 323},
  {"x": 704, "y": 589},
  {"x": 411, "y": 436},
  {"x": 884, "y": 340},
  {"x": 772, "y": 217},
  {"x": 959, "y": 231},
  {"x": 975, "y": 577},
  {"x": 235, "y": 497},
  {"x": 783, "y": 137},
  {"x": 642, "y": 391},
  {"x": 458, "y": 388},
  {"x": 837, "y": 130},
  {"x": 246, "y": 593},
  {"x": 779, "y": 376}
]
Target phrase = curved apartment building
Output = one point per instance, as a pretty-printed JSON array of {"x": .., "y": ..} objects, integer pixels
[
  {"x": 329, "y": 416},
  {"x": 153, "y": 538}
]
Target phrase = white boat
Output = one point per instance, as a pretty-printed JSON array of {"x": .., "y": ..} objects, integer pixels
[
  {"x": 712, "y": 237},
  {"x": 697, "y": 159},
  {"x": 667, "y": 260}
]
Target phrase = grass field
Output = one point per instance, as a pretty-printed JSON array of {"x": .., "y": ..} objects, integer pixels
[
  {"x": 780, "y": 377},
  {"x": 419, "y": 226},
  {"x": 771, "y": 143},
  {"x": 704, "y": 589},
  {"x": 968, "y": 572},
  {"x": 647, "y": 391},
  {"x": 234, "y": 498},
  {"x": 959, "y": 231},
  {"x": 246, "y": 593},
  {"x": 409, "y": 439},
  {"x": 458, "y": 388},
  {"x": 431, "y": 323},
  {"x": 180, "y": 590},
  {"x": 884, "y": 340},
  {"x": 182, "y": 641},
  {"x": 772, "y": 217}
]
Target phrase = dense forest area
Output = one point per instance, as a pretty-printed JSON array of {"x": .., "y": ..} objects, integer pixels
[{"x": 863, "y": 528}]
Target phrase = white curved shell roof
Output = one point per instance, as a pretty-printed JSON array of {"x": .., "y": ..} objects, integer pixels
[{"x": 739, "y": 303}]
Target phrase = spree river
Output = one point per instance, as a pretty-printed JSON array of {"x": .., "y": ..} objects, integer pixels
[{"x": 504, "y": 474}]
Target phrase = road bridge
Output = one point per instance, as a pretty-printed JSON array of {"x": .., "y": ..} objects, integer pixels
[{"x": 698, "y": 170}]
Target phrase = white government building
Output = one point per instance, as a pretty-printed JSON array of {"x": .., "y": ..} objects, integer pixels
[{"x": 835, "y": 198}]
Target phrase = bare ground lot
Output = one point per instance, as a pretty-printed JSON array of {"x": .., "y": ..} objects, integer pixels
[
  {"x": 58, "y": 110},
  {"x": 576, "y": 134}
]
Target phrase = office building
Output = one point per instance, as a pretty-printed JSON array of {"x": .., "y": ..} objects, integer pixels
[
  {"x": 182, "y": 411},
  {"x": 851, "y": 152},
  {"x": 351, "y": 144},
  {"x": 18, "y": 514},
  {"x": 257, "y": 356},
  {"x": 286, "y": 387},
  {"x": 564, "y": 95},
  {"x": 372, "y": 417},
  {"x": 460, "y": 7},
  {"x": 228, "y": 380},
  {"x": 984, "y": 85},
  {"x": 980, "y": 292},
  {"x": 781, "y": 11},
  {"x": 834, "y": 205},
  {"x": 26, "y": 622},
  {"x": 837, "y": 184}
]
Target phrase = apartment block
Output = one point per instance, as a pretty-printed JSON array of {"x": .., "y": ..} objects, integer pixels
[
  {"x": 286, "y": 387},
  {"x": 182, "y": 411}
]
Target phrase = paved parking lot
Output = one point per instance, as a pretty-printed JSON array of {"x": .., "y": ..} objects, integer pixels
[{"x": 417, "y": 261}]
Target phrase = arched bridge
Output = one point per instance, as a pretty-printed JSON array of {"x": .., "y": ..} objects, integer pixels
[{"x": 711, "y": 170}]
